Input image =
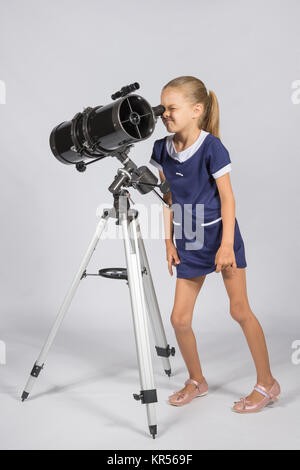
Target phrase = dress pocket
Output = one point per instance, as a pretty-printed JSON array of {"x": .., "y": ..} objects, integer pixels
[{"x": 213, "y": 233}]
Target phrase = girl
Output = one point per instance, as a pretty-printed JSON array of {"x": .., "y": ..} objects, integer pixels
[{"x": 197, "y": 166}]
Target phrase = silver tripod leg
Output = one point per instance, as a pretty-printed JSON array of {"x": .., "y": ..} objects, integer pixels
[
  {"x": 148, "y": 394},
  {"x": 38, "y": 366},
  {"x": 161, "y": 345}
]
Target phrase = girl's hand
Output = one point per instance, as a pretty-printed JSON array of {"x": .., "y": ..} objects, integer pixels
[
  {"x": 172, "y": 256},
  {"x": 225, "y": 258}
]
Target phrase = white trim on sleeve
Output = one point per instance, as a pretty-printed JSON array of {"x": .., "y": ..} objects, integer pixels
[
  {"x": 222, "y": 171},
  {"x": 154, "y": 163}
]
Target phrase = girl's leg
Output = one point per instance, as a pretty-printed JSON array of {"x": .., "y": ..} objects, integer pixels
[
  {"x": 235, "y": 284},
  {"x": 186, "y": 294}
]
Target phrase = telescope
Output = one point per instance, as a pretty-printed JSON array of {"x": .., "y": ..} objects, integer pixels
[
  {"x": 104, "y": 130},
  {"x": 111, "y": 130}
]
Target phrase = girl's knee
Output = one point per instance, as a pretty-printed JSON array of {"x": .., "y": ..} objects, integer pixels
[
  {"x": 181, "y": 320},
  {"x": 240, "y": 311}
]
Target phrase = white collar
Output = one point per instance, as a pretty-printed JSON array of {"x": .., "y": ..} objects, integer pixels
[{"x": 186, "y": 153}]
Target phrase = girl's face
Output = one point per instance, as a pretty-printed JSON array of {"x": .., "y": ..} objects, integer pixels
[{"x": 179, "y": 114}]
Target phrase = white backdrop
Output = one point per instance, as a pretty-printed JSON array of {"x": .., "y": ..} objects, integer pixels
[{"x": 57, "y": 57}]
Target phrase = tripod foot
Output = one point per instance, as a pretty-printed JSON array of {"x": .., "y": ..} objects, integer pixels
[
  {"x": 25, "y": 395},
  {"x": 153, "y": 430}
]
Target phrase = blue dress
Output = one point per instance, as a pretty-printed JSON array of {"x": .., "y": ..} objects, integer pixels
[{"x": 196, "y": 202}]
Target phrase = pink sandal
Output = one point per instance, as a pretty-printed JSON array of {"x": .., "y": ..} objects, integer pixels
[
  {"x": 182, "y": 398},
  {"x": 247, "y": 406}
]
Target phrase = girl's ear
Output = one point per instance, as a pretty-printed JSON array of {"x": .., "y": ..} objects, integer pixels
[{"x": 199, "y": 109}]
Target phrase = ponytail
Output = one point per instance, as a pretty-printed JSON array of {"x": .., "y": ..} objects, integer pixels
[{"x": 211, "y": 120}]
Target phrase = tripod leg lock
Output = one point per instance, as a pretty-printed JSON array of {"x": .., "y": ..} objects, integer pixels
[
  {"x": 146, "y": 396},
  {"x": 165, "y": 352},
  {"x": 36, "y": 370}
]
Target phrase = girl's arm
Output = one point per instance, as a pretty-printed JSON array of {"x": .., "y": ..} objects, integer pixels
[
  {"x": 168, "y": 214},
  {"x": 227, "y": 209}
]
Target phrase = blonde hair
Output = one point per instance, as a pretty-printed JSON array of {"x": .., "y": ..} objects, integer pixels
[{"x": 196, "y": 92}]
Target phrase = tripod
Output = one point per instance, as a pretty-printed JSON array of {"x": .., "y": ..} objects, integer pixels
[{"x": 143, "y": 300}]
